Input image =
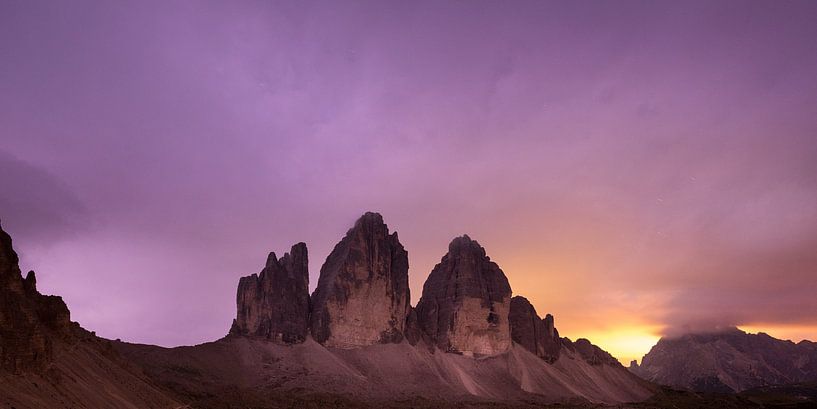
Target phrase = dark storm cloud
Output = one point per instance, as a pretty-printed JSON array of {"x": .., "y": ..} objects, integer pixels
[{"x": 37, "y": 206}]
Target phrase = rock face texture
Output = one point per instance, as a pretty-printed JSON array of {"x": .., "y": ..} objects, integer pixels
[
  {"x": 728, "y": 361},
  {"x": 466, "y": 301},
  {"x": 533, "y": 333},
  {"x": 362, "y": 297},
  {"x": 274, "y": 304},
  {"x": 29, "y": 321}
]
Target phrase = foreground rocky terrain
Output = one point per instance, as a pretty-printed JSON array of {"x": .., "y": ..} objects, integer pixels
[
  {"x": 728, "y": 361},
  {"x": 241, "y": 369}
]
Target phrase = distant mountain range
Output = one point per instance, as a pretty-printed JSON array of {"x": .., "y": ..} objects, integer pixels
[
  {"x": 728, "y": 361},
  {"x": 354, "y": 342}
]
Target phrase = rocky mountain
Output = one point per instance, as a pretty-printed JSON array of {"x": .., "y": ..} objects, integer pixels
[
  {"x": 47, "y": 361},
  {"x": 532, "y": 332},
  {"x": 728, "y": 361},
  {"x": 362, "y": 297},
  {"x": 540, "y": 336},
  {"x": 356, "y": 342},
  {"x": 467, "y": 340},
  {"x": 274, "y": 304},
  {"x": 30, "y": 322},
  {"x": 466, "y": 302}
]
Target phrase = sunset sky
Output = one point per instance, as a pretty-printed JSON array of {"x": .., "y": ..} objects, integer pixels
[{"x": 635, "y": 168}]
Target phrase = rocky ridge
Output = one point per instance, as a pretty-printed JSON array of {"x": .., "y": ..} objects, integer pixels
[
  {"x": 362, "y": 299},
  {"x": 48, "y": 361},
  {"x": 727, "y": 361},
  {"x": 535, "y": 334},
  {"x": 372, "y": 346},
  {"x": 29, "y": 321}
]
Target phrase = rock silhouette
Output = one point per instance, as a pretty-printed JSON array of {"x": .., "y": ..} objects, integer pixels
[
  {"x": 274, "y": 304},
  {"x": 535, "y": 334},
  {"x": 29, "y": 321},
  {"x": 47, "y": 361},
  {"x": 592, "y": 354}
]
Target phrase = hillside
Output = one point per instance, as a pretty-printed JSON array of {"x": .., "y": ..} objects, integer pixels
[{"x": 728, "y": 361}]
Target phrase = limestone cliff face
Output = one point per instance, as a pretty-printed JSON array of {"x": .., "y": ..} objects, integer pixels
[
  {"x": 466, "y": 302},
  {"x": 275, "y": 303},
  {"x": 362, "y": 297},
  {"x": 29, "y": 321},
  {"x": 533, "y": 333}
]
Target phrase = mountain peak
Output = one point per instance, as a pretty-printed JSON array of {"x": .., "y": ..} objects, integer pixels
[
  {"x": 274, "y": 304},
  {"x": 28, "y": 320},
  {"x": 698, "y": 361},
  {"x": 466, "y": 243},
  {"x": 466, "y": 301},
  {"x": 370, "y": 218},
  {"x": 362, "y": 297}
]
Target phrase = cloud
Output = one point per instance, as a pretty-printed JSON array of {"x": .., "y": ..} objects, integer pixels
[
  {"x": 748, "y": 287},
  {"x": 36, "y": 205}
]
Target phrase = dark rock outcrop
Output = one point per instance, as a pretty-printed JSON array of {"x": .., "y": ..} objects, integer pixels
[
  {"x": 362, "y": 297},
  {"x": 533, "y": 333},
  {"x": 29, "y": 321},
  {"x": 466, "y": 302},
  {"x": 539, "y": 335},
  {"x": 47, "y": 361},
  {"x": 728, "y": 360},
  {"x": 592, "y": 354},
  {"x": 275, "y": 303},
  {"x": 413, "y": 333}
]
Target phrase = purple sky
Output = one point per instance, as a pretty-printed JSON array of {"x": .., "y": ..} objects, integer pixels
[{"x": 632, "y": 166}]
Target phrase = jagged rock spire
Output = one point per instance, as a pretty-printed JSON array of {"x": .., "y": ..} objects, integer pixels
[
  {"x": 9, "y": 265},
  {"x": 533, "y": 333},
  {"x": 275, "y": 303},
  {"x": 28, "y": 320},
  {"x": 362, "y": 297}
]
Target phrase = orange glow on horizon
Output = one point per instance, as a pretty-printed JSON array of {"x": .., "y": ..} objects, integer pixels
[
  {"x": 618, "y": 320},
  {"x": 619, "y": 303},
  {"x": 625, "y": 344}
]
